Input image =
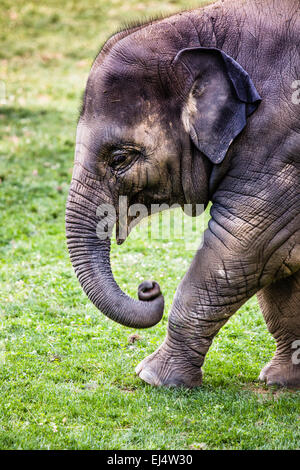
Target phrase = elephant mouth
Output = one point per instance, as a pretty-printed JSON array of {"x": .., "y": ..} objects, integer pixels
[
  {"x": 142, "y": 208},
  {"x": 123, "y": 229},
  {"x": 125, "y": 221}
]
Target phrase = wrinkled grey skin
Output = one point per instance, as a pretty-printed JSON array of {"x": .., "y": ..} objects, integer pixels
[{"x": 150, "y": 129}]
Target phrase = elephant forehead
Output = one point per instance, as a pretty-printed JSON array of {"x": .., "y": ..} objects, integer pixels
[
  {"x": 147, "y": 131},
  {"x": 150, "y": 132}
]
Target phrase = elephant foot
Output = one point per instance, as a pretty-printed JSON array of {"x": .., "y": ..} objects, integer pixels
[
  {"x": 169, "y": 369},
  {"x": 282, "y": 374}
]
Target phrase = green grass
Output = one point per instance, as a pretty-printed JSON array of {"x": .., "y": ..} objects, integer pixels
[{"x": 67, "y": 373}]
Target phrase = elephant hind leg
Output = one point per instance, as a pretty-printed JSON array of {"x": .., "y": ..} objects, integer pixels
[{"x": 280, "y": 304}]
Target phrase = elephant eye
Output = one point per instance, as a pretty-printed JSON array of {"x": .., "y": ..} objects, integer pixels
[{"x": 121, "y": 158}]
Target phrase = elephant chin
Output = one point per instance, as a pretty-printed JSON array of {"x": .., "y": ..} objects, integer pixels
[{"x": 90, "y": 258}]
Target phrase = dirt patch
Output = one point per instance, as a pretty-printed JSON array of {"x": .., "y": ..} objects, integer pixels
[{"x": 268, "y": 392}]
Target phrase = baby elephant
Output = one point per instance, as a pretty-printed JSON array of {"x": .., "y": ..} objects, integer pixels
[{"x": 197, "y": 107}]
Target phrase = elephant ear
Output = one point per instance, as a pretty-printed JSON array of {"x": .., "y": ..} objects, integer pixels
[{"x": 220, "y": 97}]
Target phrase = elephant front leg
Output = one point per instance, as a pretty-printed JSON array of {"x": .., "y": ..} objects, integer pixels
[{"x": 218, "y": 282}]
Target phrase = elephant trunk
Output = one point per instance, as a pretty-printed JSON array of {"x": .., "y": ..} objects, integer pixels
[{"x": 90, "y": 257}]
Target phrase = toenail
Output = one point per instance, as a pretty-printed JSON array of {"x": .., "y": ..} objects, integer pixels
[{"x": 148, "y": 377}]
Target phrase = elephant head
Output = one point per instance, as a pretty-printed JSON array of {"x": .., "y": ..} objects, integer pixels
[{"x": 153, "y": 125}]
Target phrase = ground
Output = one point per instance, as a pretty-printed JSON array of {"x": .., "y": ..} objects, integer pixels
[{"x": 66, "y": 372}]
